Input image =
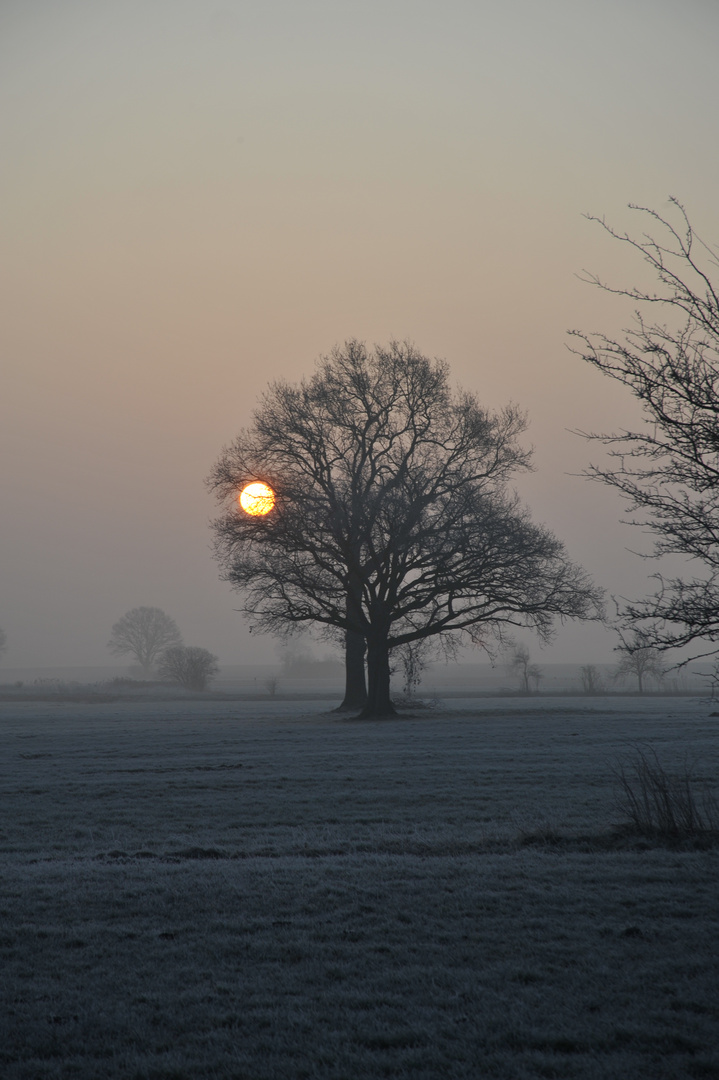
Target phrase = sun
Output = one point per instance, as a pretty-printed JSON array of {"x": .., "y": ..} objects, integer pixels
[{"x": 257, "y": 498}]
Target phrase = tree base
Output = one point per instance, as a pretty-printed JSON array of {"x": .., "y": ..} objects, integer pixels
[
  {"x": 378, "y": 712},
  {"x": 350, "y": 706}
]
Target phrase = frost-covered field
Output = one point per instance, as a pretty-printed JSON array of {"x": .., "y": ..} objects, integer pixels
[{"x": 215, "y": 889}]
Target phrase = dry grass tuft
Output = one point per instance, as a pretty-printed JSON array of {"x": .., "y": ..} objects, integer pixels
[{"x": 665, "y": 805}]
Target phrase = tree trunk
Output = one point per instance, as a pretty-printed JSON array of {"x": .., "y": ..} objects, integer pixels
[
  {"x": 355, "y": 685},
  {"x": 641, "y": 685},
  {"x": 379, "y": 702}
]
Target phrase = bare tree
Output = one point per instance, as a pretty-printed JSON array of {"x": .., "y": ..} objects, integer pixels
[
  {"x": 668, "y": 470},
  {"x": 591, "y": 679},
  {"x": 393, "y": 519},
  {"x": 3, "y": 642},
  {"x": 639, "y": 660},
  {"x": 521, "y": 665},
  {"x": 188, "y": 665},
  {"x": 144, "y": 632}
]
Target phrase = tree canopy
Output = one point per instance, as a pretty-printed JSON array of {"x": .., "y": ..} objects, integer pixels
[
  {"x": 144, "y": 632},
  {"x": 393, "y": 517}
]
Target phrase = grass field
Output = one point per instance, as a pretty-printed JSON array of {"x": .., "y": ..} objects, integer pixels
[{"x": 205, "y": 889}]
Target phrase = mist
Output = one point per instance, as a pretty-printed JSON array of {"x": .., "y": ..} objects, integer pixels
[{"x": 201, "y": 199}]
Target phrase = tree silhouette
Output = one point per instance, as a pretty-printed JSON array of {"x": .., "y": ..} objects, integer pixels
[
  {"x": 188, "y": 665},
  {"x": 591, "y": 679},
  {"x": 144, "y": 632},
  {"x": 527, "y": 672},
  {"x": 639, "y": 659},
  {"x": 393, "y": 518}
]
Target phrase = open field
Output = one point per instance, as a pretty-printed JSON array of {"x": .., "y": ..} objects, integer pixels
[{"x": 213, "y": 889}]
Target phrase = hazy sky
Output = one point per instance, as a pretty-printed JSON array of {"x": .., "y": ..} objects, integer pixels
[{"x": 197, "y": 198}]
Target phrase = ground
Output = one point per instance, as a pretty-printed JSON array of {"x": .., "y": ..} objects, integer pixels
[{"x": 205, "y": 889}]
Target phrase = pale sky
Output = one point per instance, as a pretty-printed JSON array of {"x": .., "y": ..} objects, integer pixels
[{"x": 197, "y": 198}]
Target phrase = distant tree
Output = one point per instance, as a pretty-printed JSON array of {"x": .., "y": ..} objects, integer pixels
[
  {"x": 591, "y": 678},
  {"x": 272, "y": 682},
  {"x": 394, "y": 520},
  {"x": 144, "y": 632},
  {"x": 3, "y": 642},
  {"x": 640, "y": 660},
  {"x": 668, "y": 469},
  {"x": 188, "y": 665},
  {"x": 521, "y": 665}
]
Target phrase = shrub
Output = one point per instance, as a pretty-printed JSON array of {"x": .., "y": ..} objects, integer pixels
[
  {"x": 188, "y": 665},
  {"x": 657, "y": 803}
]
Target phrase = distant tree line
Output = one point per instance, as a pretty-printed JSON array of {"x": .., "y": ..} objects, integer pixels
[{"x": 637, "y": 660}]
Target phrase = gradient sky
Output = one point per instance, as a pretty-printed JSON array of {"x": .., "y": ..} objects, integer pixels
[{"x": 198, "y": 198}]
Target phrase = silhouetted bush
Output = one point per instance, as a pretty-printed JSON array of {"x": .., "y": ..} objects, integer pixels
[{"x": 188, "y": 665}]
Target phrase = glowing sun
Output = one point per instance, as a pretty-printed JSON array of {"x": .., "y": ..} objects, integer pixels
[{"x": 257, "y": 498}]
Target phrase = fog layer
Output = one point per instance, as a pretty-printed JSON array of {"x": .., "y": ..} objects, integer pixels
[{"x": 198, "y": 199}]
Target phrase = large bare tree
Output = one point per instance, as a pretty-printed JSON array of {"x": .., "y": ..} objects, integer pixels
[
  {"x": 144, "y": 632},
  {"x": 393, "y": 518},
  {"x": 667, "y": 470}
]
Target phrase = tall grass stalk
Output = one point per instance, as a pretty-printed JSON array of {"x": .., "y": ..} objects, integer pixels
[{"x": 668, "y": 805}]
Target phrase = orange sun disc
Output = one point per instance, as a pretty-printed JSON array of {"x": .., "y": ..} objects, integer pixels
[{"x": 257, "y": 498}]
